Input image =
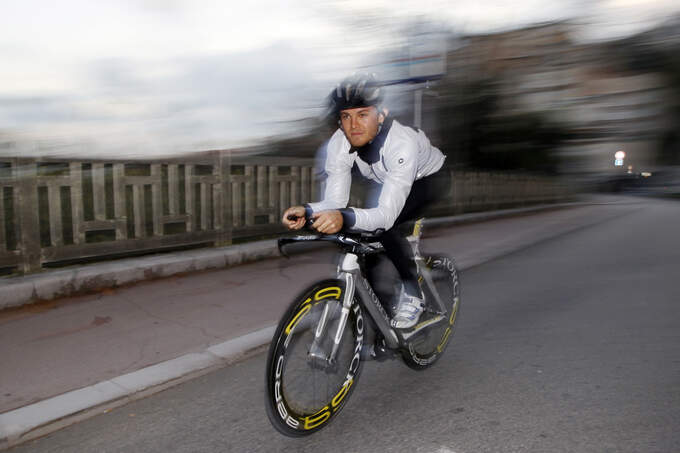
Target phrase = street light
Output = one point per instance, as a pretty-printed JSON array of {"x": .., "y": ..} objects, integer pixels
[{"x": 618, "y": 158}]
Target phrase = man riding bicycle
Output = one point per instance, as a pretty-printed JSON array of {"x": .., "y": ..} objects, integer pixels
[{"x": 399, "y": 159}]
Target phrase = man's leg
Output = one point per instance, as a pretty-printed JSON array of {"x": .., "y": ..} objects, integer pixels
[
  {"x": 423, "y": 192},
  {"x": 399, "y": 251}
]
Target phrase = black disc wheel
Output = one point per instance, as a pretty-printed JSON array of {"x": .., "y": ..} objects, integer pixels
[{"x": 306, "y": 389}]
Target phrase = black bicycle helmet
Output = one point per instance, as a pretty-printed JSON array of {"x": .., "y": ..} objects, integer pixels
[{"x": 359, "y": 90}]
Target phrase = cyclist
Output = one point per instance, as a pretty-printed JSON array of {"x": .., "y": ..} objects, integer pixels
[{"x": 399, "y": 159}]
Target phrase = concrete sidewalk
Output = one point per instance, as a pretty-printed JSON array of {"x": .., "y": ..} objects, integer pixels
[{"x": 79, "y": 356}]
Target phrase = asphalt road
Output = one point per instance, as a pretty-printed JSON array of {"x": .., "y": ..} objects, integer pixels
[{"x": 570, "y": 345}]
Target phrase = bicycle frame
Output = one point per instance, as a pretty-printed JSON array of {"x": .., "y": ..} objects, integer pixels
[
  {"x": 349, "y": 271},
  {"x": 356, "y": 284}
]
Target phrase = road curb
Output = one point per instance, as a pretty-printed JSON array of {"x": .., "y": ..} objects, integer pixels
[
  {"x": 41, "y": 418},
  {"x": 24, "y": 290},
  {"x": 19, "y": 291}
]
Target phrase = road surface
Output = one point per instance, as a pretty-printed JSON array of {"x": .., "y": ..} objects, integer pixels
[{"x": 569, "y": 345}]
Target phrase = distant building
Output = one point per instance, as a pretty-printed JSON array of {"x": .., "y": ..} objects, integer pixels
[{"x": 590, "y": 89}]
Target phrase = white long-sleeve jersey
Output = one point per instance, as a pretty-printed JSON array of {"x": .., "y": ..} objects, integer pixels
[{"x": 405, "y": 156}]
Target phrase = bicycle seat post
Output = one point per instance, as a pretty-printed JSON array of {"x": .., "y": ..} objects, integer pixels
[{"x": 414, "y": 237}]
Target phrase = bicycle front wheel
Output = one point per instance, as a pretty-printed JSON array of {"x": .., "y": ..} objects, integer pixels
[
  {"x": 427, "y": 346},
  {"x": 306, "y": 390}
]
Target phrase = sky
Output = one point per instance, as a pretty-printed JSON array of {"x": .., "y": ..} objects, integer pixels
[{"x": 145, "y": 78}]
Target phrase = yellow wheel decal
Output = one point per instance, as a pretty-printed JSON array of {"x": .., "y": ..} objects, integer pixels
[
  {"x": 305, "y": 308},
  {"x": 331, "y": 291},
  {"x": 341, "y": 394},
  {"x": 444, "y": 340},
  {"x": 452, "y": 319},
  {"x": 317, "y": 419},
  {"x": 447, "y": 332}
]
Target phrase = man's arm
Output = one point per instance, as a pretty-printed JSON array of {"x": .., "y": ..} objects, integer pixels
[
  {"x": 403, "y": 166},
  {"x": 338, "y": 167},
  {"x": 336, "y": 193}
]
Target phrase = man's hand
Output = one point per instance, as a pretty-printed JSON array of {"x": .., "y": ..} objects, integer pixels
[
  {"x": 297, "y": 220},
  {"x": 327, "y": 222}
]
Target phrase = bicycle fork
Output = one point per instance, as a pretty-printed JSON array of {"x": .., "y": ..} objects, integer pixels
[
  {"x": 316, "y": 351},
  {"x": 350, "y": 272}
]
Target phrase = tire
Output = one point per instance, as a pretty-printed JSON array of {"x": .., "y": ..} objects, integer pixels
[
  {"x": 429, "y": 345},
  {"x": 304, "y": 395}
]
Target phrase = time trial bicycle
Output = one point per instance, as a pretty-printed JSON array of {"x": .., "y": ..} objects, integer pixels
[{"x": 332, "y": 326}]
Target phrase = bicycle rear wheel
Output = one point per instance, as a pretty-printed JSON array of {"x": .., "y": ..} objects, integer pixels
[
  {"x": 427, "y": 346},
  {"x": 304, "y": 391}
]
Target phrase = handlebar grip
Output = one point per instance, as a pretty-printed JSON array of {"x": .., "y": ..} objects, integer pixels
[{"x": 293, "y": 218}]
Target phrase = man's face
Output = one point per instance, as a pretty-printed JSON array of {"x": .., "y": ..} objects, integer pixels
[{"x": 360, "y": 125}]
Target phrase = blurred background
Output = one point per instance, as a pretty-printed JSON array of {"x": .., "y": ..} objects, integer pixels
[
  {"x": 145, "y": 119},
  {"x": 511, "y": 84}
]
